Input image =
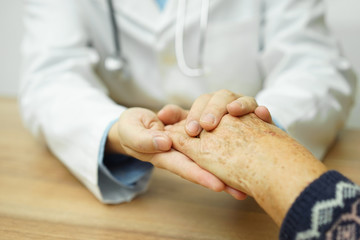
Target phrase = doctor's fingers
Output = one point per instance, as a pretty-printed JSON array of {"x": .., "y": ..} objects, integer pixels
[
  {"x": 143, "y": 132},
  {"x": 216, "y": 109},
  {"x": 242, "y": 106},
  {"x": 184, "y": 167},
  {"x": 238, "y": 195},
  {"x": 171, "y": 114}
]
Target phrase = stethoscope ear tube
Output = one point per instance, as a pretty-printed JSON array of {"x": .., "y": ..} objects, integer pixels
[{"x": 179, "y": 39}]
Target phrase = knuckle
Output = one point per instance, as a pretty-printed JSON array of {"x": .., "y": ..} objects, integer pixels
[
  {"x": 252, "y": 101},
  {"x": 140, "y": 146},
  {"x": 215, "y": 109},
  {"x": 204, "y": 96},
  {"x": 247, "y": 100},
  {"x": 224, "y": 92},
  {"x": 183, "y": 141}
]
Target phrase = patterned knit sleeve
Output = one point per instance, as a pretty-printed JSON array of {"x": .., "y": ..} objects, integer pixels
[{"x": 329, "y": 208}]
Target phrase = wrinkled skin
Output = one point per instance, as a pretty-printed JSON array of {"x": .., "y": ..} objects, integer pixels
[
  {"x": 254, "y": 157},
  {"x": 232, "y": 150}
]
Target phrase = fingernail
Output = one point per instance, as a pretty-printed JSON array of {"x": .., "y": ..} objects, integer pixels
[
  {"x": 237, "y": 104},
  {"x": 236, "y": 194},
  {"x": 193, "y": 127},
  {"x": 209, "y": 119},
  {"x": 161, "y": 143}
]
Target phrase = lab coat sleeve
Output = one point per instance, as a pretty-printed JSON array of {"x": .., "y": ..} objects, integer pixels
[
  {"x": 309, "y": 87},
  {"x": 62, "y": 100}
]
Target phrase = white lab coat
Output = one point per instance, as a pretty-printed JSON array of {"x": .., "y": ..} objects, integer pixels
[{"x": 279, "y": 51}]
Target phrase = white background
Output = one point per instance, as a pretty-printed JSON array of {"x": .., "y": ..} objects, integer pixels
[{"x": 343, "y": 19}]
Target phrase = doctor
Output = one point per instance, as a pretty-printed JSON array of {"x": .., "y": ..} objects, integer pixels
[{"x": 88, "y": 62}]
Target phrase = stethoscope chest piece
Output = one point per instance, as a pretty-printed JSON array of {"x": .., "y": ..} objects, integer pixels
[
  {"x": 114, "y": 63},
  {"x": 118, "y": 66}
]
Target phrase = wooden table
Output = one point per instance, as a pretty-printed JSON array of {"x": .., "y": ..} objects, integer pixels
[{"x": 40, "y": 199}]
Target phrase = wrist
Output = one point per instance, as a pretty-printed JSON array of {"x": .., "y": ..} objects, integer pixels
[
  {"x": 113, "y": 144},
  {"x": 287, "y": 171}
]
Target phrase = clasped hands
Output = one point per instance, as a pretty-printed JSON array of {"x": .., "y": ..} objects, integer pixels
[{"x": 148, "y": 136}]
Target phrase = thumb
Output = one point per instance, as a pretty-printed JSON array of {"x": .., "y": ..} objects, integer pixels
[{"x": 140, "y": 130}]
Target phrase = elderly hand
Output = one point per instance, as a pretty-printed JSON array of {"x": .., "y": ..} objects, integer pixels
[
  {"x": 254, "y": 157},
  {"x": 208, "y": 109}
]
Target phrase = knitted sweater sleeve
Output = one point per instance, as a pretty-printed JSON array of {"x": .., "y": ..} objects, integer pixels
[{"x": 329, "y": 208}]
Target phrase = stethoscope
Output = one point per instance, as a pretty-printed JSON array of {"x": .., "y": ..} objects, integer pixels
[{"x": 118, "y": 63}]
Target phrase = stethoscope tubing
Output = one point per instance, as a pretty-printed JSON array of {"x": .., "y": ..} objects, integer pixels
[{"x": 114, "y": 28}]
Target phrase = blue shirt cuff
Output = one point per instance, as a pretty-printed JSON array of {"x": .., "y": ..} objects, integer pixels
[{"x": 123, "y": 174}]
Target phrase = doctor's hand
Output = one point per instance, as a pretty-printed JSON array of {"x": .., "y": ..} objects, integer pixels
[
  {"x": 208, "y": 109},
  {"x": 140, "y": 134}
]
